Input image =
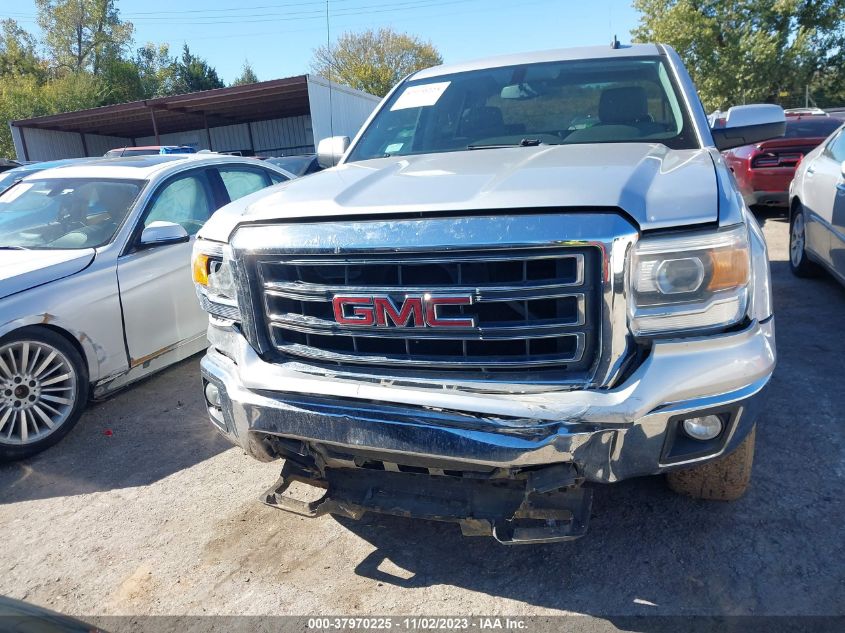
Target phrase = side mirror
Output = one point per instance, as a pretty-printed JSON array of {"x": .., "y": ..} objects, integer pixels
[
  {"x": 160, "y": 233},
  {"x": 842, "y": 168},
  {"x": 331, "y": 150},
  {"x": 749, "y": 124}
]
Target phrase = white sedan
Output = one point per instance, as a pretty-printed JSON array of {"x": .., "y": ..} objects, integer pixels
[
  {"x": 95, "y": 282},
  {"x": 817, "y": 210}
]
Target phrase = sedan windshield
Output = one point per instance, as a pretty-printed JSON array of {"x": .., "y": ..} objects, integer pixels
[
  {"x": 60, "y": 213},
  {"x": 593, "y": 101}
]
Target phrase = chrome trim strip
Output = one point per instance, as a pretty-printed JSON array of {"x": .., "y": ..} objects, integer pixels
[
  {"x": 456, "y": 255},
  {"x": 313, "y": 325},
  {"x": 468, "y": 362},
  {"x": 218, "y": 309},
  {"x": 314, "y": 292}
]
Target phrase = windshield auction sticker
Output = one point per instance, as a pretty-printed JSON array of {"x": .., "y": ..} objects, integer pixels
[{"x": 419, "y": 96}]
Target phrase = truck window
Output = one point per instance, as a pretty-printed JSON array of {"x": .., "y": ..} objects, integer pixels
[{"x": 592, "y": 101}]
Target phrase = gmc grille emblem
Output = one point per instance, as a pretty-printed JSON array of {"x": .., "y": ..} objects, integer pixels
[{"x": 418, "y": 311}]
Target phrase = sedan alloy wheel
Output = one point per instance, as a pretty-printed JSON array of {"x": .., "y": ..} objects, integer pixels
[{"x": 38, "y": 391}]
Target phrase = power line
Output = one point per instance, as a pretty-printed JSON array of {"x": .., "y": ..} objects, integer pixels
[
  {"x": 312, "y": 15},
  {"x": 236, "y": 11},
  {"x": 253, "y": 34}
]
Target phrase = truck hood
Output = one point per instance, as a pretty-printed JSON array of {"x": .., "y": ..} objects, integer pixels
[
  {"x": 22, "y": 270},
  {"x": 656, "y": 186}
]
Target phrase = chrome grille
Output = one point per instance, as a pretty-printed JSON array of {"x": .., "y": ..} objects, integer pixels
[{"x": 535, "y": 309}]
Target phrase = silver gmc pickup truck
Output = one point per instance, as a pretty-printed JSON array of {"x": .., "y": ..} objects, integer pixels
[{"x": 524, "y": 275}]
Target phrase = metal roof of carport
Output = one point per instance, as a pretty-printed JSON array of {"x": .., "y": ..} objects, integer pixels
[{"x": 208, "y": 108}]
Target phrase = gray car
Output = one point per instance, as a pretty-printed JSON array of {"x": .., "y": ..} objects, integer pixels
[
  {"x": 95, "y": 286},
  {"x": 817, "y": 211}
]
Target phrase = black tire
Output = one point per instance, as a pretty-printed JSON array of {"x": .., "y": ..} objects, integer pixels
[
  {"x": 16, "y": 391},
  {"x": 723, "y": 479},
  {"x": 799, "y": 263}
]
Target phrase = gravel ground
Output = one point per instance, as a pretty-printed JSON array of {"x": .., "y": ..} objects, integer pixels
[{"x": 160, "y": 516}]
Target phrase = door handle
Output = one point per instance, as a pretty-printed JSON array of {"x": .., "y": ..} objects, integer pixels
[{"x": 810, "y": 171}]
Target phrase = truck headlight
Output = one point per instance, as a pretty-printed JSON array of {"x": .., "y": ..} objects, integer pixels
[
  {"x": 214, "y": 278},
  {"x": 689, "y": 282}
]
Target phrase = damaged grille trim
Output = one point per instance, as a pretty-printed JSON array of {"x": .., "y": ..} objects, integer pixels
[
  {"x": 433, "y": 362},
  {"x": 308, "y": 325}
]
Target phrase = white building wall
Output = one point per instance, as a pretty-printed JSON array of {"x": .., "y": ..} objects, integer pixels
[
  {"x": 51, "y": 145},
  {"x": 98, "y": 144},
  {"x": 230, "y": 138},
  {"x": 273, "y": 137},
  {"x": 283, "y": 137},
  {"x": 339, "y": 112}
]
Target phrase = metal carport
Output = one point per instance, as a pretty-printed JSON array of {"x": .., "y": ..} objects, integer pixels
[{"x": 278, "y": 117}]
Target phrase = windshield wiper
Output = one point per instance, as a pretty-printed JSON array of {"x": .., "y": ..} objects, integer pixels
[
  {"x": 13, "y": 248},
  {"x": 526, "y": 142}
]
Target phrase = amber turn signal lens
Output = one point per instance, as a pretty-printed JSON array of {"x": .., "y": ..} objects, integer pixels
[
  {"x": 199, "y": 269},
  {"x": 730, "y": 269}
]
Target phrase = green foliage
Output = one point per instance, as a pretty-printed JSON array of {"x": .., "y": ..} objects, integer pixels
[
  {"x": 83, "y": 34},
  {"x": 88, "y": 63},
  {"x": 247, "y": 76},
  {"x": 746, "y": 51},
  {"x": 156, "y": 69},
  {"x": 23, "y": 96},
  {"x": 193, "y": 73},
  {"x": 122, "y": 81},
  {"x": 374, "y": 61},
  {"x": 18, "y": 51}
]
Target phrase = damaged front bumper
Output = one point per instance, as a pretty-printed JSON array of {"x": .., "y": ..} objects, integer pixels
[
  {"x": 610, "y": 434},
  {"x": 506, "y": 464}
]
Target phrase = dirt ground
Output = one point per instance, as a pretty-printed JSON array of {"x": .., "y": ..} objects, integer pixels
[{"x": 161, "y": 516}]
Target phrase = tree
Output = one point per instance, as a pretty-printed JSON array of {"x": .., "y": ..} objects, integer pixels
[
  {"x": 193, "y": 73},
  {"x": 121, "y": 79},
  {"x": 374, "y": 61},
  {"x": 18, "y": 54},
  {"x": 156, "y": 69},
  {"x": 82, "y": 34},
  {"x": 751, "y": 50},
  {"x": 24, "y": 96},
  {"x": 247, "y": 76}
]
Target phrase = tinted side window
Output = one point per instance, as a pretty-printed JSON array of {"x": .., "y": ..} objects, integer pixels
[
  {"x": 242, "y": 181},
  {"x": 836, "y": 149},
  {"x": 185, "y": 200}
]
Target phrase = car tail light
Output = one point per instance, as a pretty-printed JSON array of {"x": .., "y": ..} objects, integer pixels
[
  {"x": 775, "y": 158},
  {"x": 765, "y": 159}
]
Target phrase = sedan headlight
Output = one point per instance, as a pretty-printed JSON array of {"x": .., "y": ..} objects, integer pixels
[
  {"x": 214, "y": 278},
  {"x": 695, "y": 281}
]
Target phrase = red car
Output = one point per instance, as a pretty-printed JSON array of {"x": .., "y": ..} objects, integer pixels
[{"x": 764, "y": 170}]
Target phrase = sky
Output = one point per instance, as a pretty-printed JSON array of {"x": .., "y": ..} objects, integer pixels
[{"x": 278, "y": 37}]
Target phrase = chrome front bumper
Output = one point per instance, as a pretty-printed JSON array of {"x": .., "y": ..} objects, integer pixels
[{"x": 609, "y": 434}]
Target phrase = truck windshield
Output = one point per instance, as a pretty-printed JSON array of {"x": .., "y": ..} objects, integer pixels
[
  {"x": 585, "y": 101},
  {"x": 60, "y": 213}
]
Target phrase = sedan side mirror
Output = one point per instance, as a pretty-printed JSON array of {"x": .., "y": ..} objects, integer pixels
[
  {"x": 842, "y": 168},
  {"x": 749, "y": 124},
  {"x": 159, "y": 233},
  {"x": 331, "y": 150}
]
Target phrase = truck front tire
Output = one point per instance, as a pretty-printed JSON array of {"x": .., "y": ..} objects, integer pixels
[{"x": 723, "y": 479}]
